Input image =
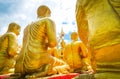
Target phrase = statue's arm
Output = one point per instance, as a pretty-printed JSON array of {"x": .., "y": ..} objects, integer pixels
[
  {"x": 12, "y": 45},
  {"x": 56, "y": 52},
  {"x": 84, "y": 50},
  {"x": 51, "y": 33},
  {"x": 82, "y": 23},
  {"x": 65, "y": 52},
  {"x": 86, "y": 58}
]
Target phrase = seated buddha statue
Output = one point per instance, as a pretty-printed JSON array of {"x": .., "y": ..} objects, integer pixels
[
  {"x": 61, "y": 49},
  {"x": 76, "y": 55},
  {"x": 34, "y": 60},
  {"x": 9, "y": 48},
  {"x": 98, "y": 23}
]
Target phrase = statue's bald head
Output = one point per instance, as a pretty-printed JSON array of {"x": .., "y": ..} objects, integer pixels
[
  {"x": 14, "y": 27},
  {"x": 43, "y": 11},
  {"x": 74, "y": 36}
]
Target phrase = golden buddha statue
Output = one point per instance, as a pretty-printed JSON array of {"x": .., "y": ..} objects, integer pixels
[
  {"x": 9, "y": 48},
  {"x": 98, "y": 23},
  {"x": 74, "y": 54},
  {"x": 62, "y": 49},
  {"x": 34, "y": 59}
]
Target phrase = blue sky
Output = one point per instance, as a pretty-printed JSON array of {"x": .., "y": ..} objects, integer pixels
[{"x": 23, "y": 12}]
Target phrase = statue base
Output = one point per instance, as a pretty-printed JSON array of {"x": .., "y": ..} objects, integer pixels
[
  {"x": 85, "y": 76},
  {"x": 4, "y": 76},
  {"x": 107, "y": 75},
  {"x": 109, "y": 70},
  {"x": 62, "y": 76}
]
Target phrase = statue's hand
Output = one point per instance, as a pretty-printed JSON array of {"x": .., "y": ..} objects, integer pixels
[
  {"x": 62, "y": 69},
  {"x": 91, "y": 71}
]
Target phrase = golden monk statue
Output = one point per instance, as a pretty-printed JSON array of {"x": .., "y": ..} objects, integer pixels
[
  {"x": 62, "y": 49},
  {"x": 9, "y": 48},
  {"x": 98, "y": 24},
  {"x": 34, "y": 59},
  {"x": 76, "y": 55}
]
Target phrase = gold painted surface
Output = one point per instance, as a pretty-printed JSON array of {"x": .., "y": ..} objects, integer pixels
[
  {"x": 34, "y": 59},
  {"x": 53, "y": 52},
  {"x": 9, "y": 48},
  {"x": 61, "y": 49},
  {"x": 98, "y": 24},
  {"x": 76, "y": 54}
]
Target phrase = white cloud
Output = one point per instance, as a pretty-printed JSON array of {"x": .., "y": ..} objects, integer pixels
[{"x": 24, "y": 12}]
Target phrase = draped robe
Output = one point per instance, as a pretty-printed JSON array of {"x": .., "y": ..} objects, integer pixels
[{"x": 34, "y": 58}]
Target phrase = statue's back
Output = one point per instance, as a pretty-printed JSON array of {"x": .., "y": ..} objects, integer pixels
[
  {"x": 98, "y": 24},
  {"x": 34, "y": 46}
]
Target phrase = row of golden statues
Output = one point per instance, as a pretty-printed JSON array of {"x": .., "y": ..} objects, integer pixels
[
  {"x": 34, "y": 58},
  {"x": 98, "y": 23}
]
